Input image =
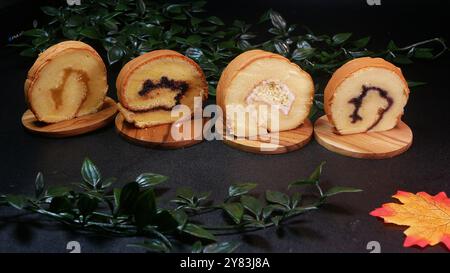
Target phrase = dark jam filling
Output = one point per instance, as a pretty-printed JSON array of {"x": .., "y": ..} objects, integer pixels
[
  {"x": 164, "y": 82},
  {"x": 357, "y": 102}
]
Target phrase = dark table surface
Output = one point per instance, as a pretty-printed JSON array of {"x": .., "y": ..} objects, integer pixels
[{"x": 342, "y": 226}]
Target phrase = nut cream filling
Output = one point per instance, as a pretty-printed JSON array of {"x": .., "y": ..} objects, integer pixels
[{"x": 274, "y": 93}]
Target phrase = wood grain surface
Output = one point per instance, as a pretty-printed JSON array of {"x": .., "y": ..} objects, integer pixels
[
  {"x": 274, "y": 143},
  {"x": 158, "y": 136},
  {"x": 373, "y": 145},
  {"x": 73, "y": 127}
]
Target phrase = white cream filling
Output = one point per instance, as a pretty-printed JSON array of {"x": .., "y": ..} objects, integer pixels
[{"x": 274, "y": 93}]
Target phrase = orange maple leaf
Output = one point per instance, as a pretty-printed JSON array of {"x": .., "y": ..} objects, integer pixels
[{"x": 427, "y": 216}]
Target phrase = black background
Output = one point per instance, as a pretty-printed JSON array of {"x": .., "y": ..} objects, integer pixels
[{"x": 342, "y": 226}]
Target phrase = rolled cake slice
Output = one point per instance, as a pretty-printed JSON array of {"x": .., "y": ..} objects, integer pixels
[
  {"x": 67, "y": 80},
  {"x": 150, "y": 85},
  {"x": 259, "y": 78},
  {"x": 365, "y": 95}
]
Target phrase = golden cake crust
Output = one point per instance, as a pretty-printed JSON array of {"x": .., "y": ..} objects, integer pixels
[
  {"x": 46, "y": 57},
  {"x": 243, "y": 62},
  {"x": 144, "y": 59},
  {"x": 238, "y": 64},
  {"x": 347, "y": 70}
]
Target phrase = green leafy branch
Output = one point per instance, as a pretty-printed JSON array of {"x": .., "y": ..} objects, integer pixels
[
  {"x": 128, "y": 28},
  {"x": 97, "y": 207}
]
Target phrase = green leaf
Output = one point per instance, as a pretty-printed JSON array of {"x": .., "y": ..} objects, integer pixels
[
  {"x": 215, "y": 20},
  {"x": 36, "y": 32},
  {"x": 57, "y": 191},
  {"x": 211, "y": 90},
  {"x": 116, "y": 193},
  {"x": 302, "y": 182},
  {"x": 90, "y": 32},
  {"x": 181, "y": 217},
  {"x": 106, "y": 183},
  {"x": 311, "y": 115},
  {"x": 165, "y": 221},
  {"x": 115, "y": 53},
  {"x": 128, "y": 196},
  {"x": 277, "y": 20},
  {"x": 303, "y": 209},
  {"x": 60, "y": 204},
  {"x": 362, "y": 53},
  {"x": 16, "y": 201},
  {"x": 90, "y": 173},
  {"x": 243, "y": 44},
  {"x": 360, "y": 43},
  {"x": 235, "y": 210},
  {"x": 29, "y": 52},
  {"x": 295, "y": 199},
  {"x": 195, "y": 21},
  {"x": 40, "y": 41},
  {"x": 198, "y": 232},
  {"x": 276, "y": 220},
  {"x": 222, "y": 247},
  {"x": 264, "y": 17},
  {"x": 70, "y": 33},
  {"x": 50, "y": 10},
  {"x": 180, "y": 17},
  {"x": 194, "y": 39},
  {"x": 147, "y": 180},
  {"x": 141, "y": 6},
  {"x": 424, "y": 53},
  {"x": 303, "y": 44},
  {"x": 39, "y": 185},
  {"x": 145, "y": 208},
  {"x": 111, "y": 25},
  {"x": 112, "y": 15},
  {"x": 74, "y": 21},
  {"x": 401, "y": 59},
  {"x": 340, "y": 189},
  {"x": 267, "y": 211},
  {"x": 412, "y": 84},
  {"x": 247, "y": 36},
  {"x": 194, "y": 53},
  {"x": 240, "y": 189},
  {"x": 277, "y": 197},
  {"x": 197, "y": 247},
  {"x": 153, "y": 245},
  {"x": 186, "y": 193},
  {"x": 252, "y": 204},
  {"x": 86, "y": 204},
  {"x": 281, "y": 47},
  {"x": 199, "y": 4},
  {"x": 392, "y": 46},
  {"x": 302, "y": 53},
  {"x": 275, "y": 31},
  {"x": 315, "y": 176},
  {"x": 341, "y": 38},
  {"x": 175, "y": 8}
]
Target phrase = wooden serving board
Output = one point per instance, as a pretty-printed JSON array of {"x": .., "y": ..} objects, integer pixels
[
  {"x": 73, "y": 127},
  {"x": 373, "y": 145},
  {"x": 158, "y": 136},
  {"x": 274, "y": 143}
]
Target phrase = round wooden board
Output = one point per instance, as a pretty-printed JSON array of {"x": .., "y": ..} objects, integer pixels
[
  {"x": 73, "y": 127},
  {"x": 274, "y": 143},
  {"x": 157, "y": 136},
  {"x": 373, "y": 145}
]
